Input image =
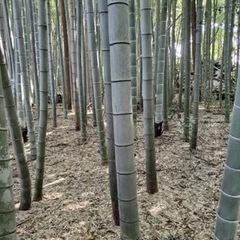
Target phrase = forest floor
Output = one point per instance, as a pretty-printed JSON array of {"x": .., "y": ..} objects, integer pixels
[{"x": 76, "y": 203}]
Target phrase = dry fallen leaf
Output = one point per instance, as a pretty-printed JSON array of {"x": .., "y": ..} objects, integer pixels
[{"x": 76, "y": 203}]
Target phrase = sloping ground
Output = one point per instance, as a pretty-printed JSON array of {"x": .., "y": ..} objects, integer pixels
[{"x": 76, "y": 202}]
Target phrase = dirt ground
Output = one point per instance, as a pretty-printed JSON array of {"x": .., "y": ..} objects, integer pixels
[{"x": 76, "y": 202}]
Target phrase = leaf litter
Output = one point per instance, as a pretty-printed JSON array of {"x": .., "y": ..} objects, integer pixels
[{"x": 76, "y": 202}]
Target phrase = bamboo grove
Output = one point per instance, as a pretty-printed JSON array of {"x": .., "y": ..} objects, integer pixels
[{"x": 120, "y": 58}]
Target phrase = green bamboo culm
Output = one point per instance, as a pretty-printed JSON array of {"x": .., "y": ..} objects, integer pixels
[
  {"x": 43, "y": 113},
  {"x": 187, "y": 7},
  {"x": 25, "y": 83},
  {"x": 156, "y": 46},
  {"x": 119, "y": 41},
  {"x": 50, "y": 67},
  {"x": 7, "y": 208},
  {"x": 97, "y": 92},
  {"x": 16, "y": 136},
  {"x": 160, "y": 67},
  {"x": 80, "y": 79},
  {"x": 166, "y": 81},
  {"x": 103, "y": 12},
  {"x": 62, "y": 70},
  {"x": 148, "y": 103},
  {"x": 207, "y": 70},
  {"x": 197, "y": 75},
  {"x": 238, "y": 41},
  {"x": 229, "y": 204},
  {"x": 34, "y": 55},
  {"x": 173, "y": 51},
  {"x": 228, "y": 31},
  {"x": 133, "y": 62}
]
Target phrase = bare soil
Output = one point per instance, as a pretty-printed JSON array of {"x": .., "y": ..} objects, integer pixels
[{"x": 76, "y": 203}]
